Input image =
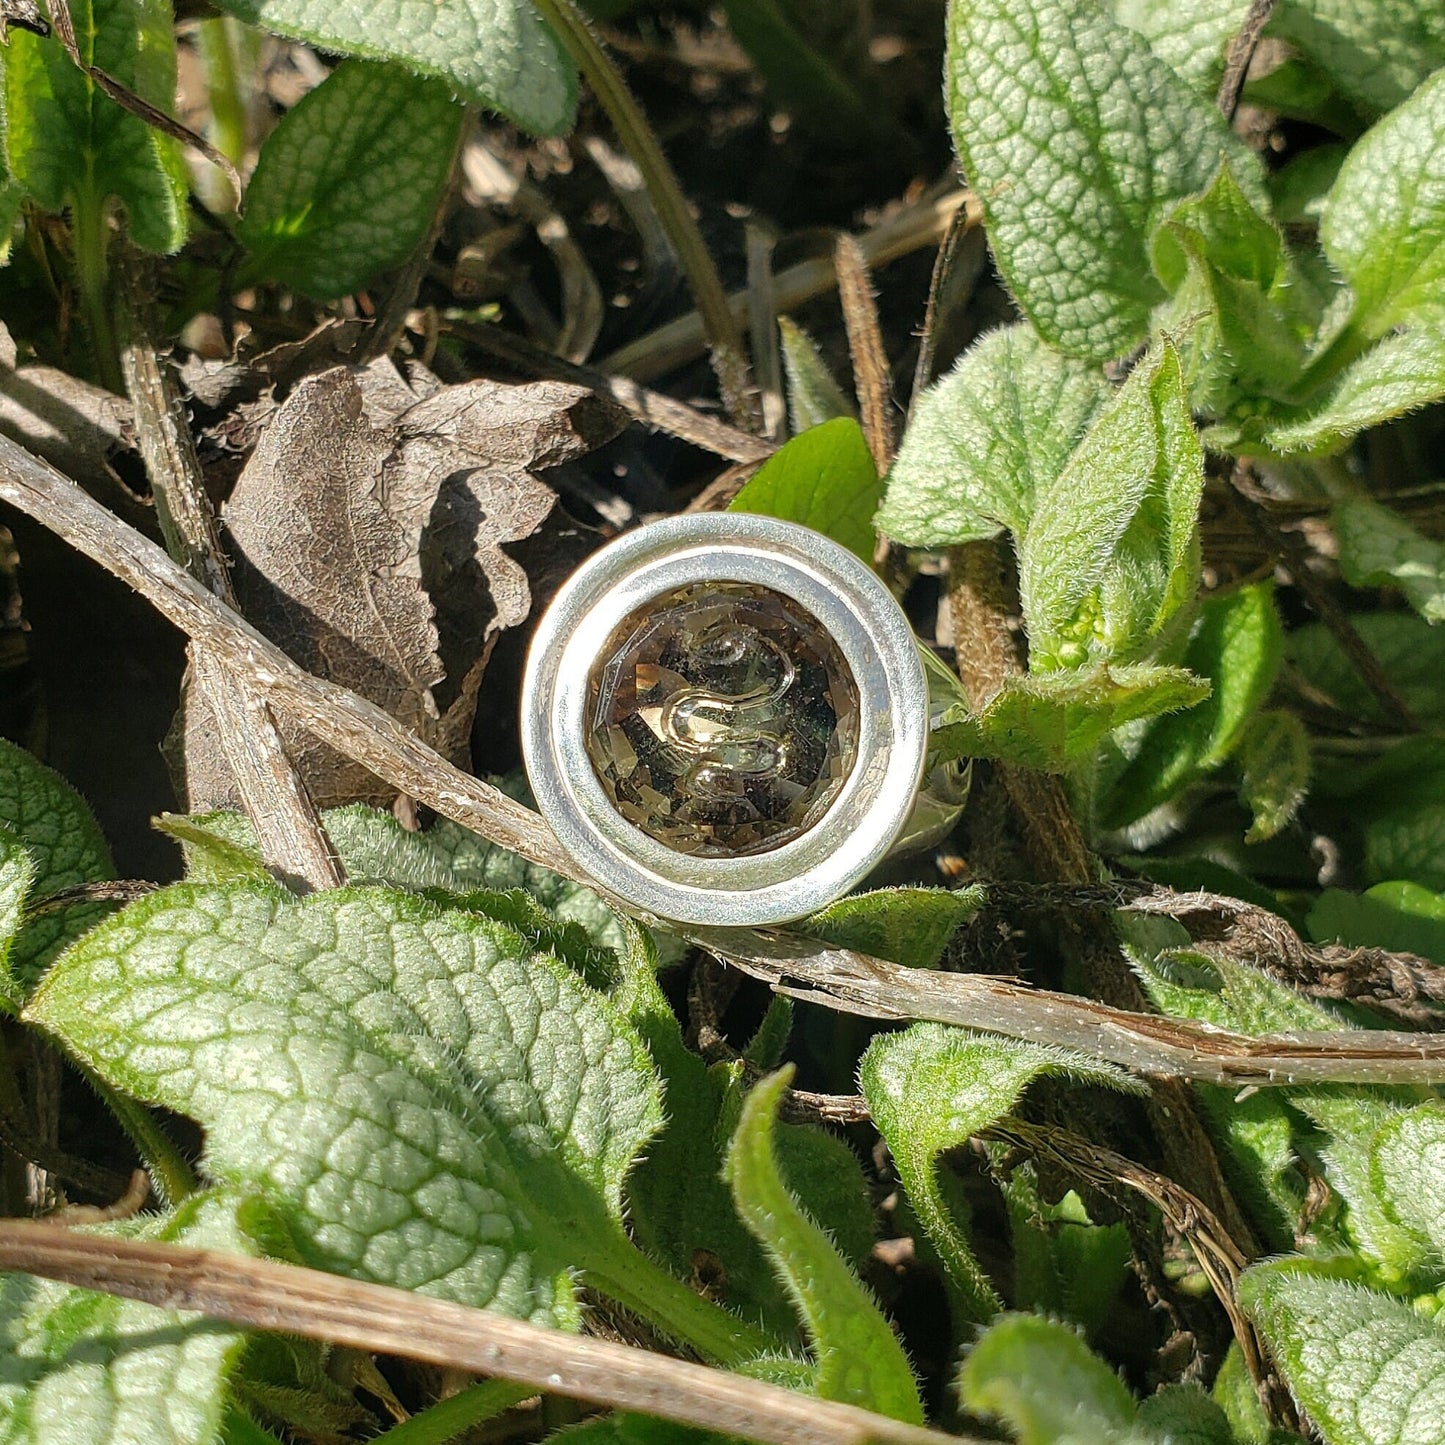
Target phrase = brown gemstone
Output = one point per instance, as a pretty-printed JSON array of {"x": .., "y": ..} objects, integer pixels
[{"x": 723, "y": 719}]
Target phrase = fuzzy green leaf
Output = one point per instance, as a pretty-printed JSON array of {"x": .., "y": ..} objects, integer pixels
[
  {"x": 496, "y": 52},
  {"x": 910, "y": 926},
  {"x": 929, "y": 1089},
  {"x": 1236, "y": 645},
  {"x": 1407, "y": 1165},
  {"x": 1043, "y": 1380},
  {"x": 987, "y": 438},
  {"x": 426, "y": 1100},
  {"x": 1111, "y": 552},
  {"x": 95, "y": 1369},
  {"x": 70, "y": 146},
  {"x": 66, "y": 849},
  {"x": 375, "y": 848},
  {"x": 1378, "y": 548},
  {"x": 1400, "y": 916},
  {"x": 1400, "y": 374},
  {"x": 346, "y": 185},
  {"x": 1377, "y": 53},
  {"x": 1054, "y": 720},
  {"x": 1384, "y": 221},
  {"x": 1192, "y": 36},
  {"x": 1077, "y": 138},
  {"x": 1274, "y": 772},
  {"x": 825, "y": 479},
  {"x": 860, "y": 1361},
  {"x": 813, "y": 395},
  {"x": 1368, "y": 1369},
  {"x": 17, "y": 873},
  {"x": 680, "y": 1209}
]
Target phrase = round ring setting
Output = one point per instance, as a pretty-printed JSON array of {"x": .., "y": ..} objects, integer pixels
[{"x": 698, "y": 747}]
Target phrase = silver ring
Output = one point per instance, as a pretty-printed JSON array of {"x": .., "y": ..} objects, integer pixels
[{"x": 725, "y": 720}]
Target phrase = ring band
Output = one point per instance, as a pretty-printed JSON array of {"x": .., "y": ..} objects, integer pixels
[{"x": 725, "y": 720}]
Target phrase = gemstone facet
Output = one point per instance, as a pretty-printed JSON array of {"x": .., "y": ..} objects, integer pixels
[{"x": 722, "y": 719}]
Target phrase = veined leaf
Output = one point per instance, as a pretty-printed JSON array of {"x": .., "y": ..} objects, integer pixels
[
  {"x": 1111, "y": 553},
  {"x": 988, "y": 438},
  {"x": 66, "y": 848},
  {"x": 1236, "y": 645},
  {"x": 1054, "y": 719},
  {"x": 1399, "y": 915},
  {"x": 929, "y": 1089},
  {"x": 496, "y": 52},
  {"x": 859, "y": 1358},
  {"x": 1193, "y": 37},
  {"x": 17, "y": 873},
  {"x": 823, "y": 478},
  {"x": 1367, "y": 1368},
  {"x": 1378, "y": 548},
  {"x": 1077, "y": 138},
  {"x": 95, "y": 1369},
  {"x": 1384, "y": 221},
  {"x": 1377, "y": 53},
  {"x": 69, "y": 145},
  {"x": 347, "y": 183},
  {"x": 424, "y": 1098},
  {"x": 1411, "y": 652}
]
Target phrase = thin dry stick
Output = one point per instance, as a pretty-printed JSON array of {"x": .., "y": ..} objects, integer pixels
[
  {"x": 763, "y": 330},
  {"x": 682, "y": 340},
  {"x": 1241, "y": 52},
  {"x": 841, "y": 978},
  {"x": 652, "y": 408},
  {"x": 871, "y": 378},
  {"x": 378, "y": 1318},
  {"x": 292, "y": 840}
]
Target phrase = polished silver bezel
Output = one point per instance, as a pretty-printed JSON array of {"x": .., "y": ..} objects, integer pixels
[{"x": 876, "y": 642}]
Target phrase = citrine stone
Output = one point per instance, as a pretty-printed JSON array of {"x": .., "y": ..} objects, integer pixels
[{"x": 722, "y": 719}]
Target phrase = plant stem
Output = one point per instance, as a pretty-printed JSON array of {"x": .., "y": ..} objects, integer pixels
[
  {"x": 90, "y": 235},
  {"x": 451, "y": 1417},
  {"x": 724, "y": 335}
]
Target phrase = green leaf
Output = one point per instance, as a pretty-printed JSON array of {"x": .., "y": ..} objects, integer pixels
[
  {"x": 1407, "y": 1167},
  {"x": 1411, "y": 652},
  {"x": 680, "y": 1210},
  {"x": 1378, "y": 548},
  {"x": 1400, "y": 374},
  {"x": 1184, "y": 1415},
  {"x": 347, "y": 184},
  {"x": 425, "y": 1099},
  {"x": 813, "y": 395},
  {"x": 911, "y": 926},
  {"x": 375, "y": 848},
  {"x": 1400, "y": 916},
  {"x": 1244, "y": 310},
  {"x": 1111, "y": 552},
  {"x": 70, "y": 146},
  {"x": 931, "y": 1088},
  {"x": 860, "y": 1361},
  {"x": 1274, "y": 769},
  {"x": 1191, "y": 36},
  {"x": 1384, "y": 220},
  {"x": 1366, "y": 1367},
  {"x": 1077, "y": 138},
  {"x": 1236, "y": 645},
  {"x": 1048, "y": 1386},
  {"x": 987, "y": 439},
  {"x": 66, "y": 848},
  {"x": 17, "y": 873},
  {"x": 496, "y": 52},
  {"x": 1054, "y": 720},
  {"x": 95, "y": 1369},
  {"x": 823, "y": 478},
  {"x": 1377, "y": 52},
  {"x": 1299, "y": 188}
]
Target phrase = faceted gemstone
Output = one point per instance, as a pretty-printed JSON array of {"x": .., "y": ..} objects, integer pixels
[{"x": 723, "y": 719}]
